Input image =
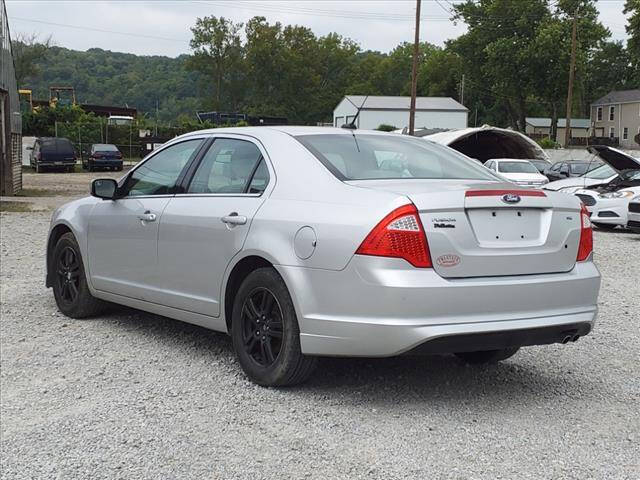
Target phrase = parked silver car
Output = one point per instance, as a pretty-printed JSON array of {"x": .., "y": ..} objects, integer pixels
[{"x": 304, "y": 242}]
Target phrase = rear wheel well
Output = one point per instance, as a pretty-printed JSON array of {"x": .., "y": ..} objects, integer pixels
[
  {"x": 57, "y": 232},
  {"x": 240, "y": 271}
]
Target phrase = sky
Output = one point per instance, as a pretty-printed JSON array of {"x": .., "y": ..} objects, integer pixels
[{"x": 162, "y": 27}]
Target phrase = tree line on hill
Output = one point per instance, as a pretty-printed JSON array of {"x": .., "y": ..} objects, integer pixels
[{"x": 514, "y": 58}]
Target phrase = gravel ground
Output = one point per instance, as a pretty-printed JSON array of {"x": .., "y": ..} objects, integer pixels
[{"x": 133, "y": 395}]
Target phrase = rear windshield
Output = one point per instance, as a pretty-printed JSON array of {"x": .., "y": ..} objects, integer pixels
[
  {"x": 56, "y": 145},
  {"x": 516, "y": 167},
  {"x": 104, "y": 147},
  {"x": 366, "y": 157}
]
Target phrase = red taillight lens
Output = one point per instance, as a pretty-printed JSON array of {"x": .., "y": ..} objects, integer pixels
[
  {"x": 399, "y": 234},
  {"x": 586, "y": 235}
]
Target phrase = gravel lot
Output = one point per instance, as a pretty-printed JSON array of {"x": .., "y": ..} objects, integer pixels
[{"x": 133, "y": 395}]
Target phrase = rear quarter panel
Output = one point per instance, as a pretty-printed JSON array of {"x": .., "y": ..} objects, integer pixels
[{"x": 307, "y": 194}]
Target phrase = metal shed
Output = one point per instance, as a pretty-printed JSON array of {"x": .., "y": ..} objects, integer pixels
[{"x": 10, "y": 118}]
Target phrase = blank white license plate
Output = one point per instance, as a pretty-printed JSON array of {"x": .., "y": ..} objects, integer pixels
[{"x": 500, "y": 225}]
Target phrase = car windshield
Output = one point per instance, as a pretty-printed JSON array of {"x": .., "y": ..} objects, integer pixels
[
  {"x": 602, "y": 172},
  {"x": 366, "y": 157},
  {"x": 540, "y": 164},
  {"x": 630, "y": 175},
  {"x": 104, "y": 147},
  {"x": 516, "y": 167},
  {"x": 579, "y": 168}
]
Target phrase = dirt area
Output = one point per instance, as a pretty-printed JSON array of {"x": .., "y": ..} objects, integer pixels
[{"x": 47, "y": 191}]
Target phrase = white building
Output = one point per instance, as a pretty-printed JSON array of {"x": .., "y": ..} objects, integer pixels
[{"x": 431, "y": 112}]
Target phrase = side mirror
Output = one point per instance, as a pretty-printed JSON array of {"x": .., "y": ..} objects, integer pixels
[{"x": 104, "y": 188}]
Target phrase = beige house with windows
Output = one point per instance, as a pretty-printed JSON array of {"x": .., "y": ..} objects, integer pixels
[
  {"x": 617, "y": 116},
  {"x": 540, "y": 127}
]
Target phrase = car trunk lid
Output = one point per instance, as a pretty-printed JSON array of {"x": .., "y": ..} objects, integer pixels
[{"x": 481, "y": 230}]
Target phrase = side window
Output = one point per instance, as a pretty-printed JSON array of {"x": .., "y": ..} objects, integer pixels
[
  {"x": 260, "y": 178},
  {"x": 555, "y": 167},
  {"x": 564, "y": 168},
  {"x": 158, "y": 175},
  {"x": 226, "y": 167}
]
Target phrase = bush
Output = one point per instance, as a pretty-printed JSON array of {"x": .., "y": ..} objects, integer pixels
[
  {"x": 386, "y": 128},
  {"x": 546, "y": 142}
]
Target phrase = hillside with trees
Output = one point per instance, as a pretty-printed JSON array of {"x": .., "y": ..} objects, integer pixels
[{"x": 514, "y": 58}]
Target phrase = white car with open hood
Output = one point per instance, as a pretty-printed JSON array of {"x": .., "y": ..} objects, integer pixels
[
  {"x": 608, "y": 202},
  {"x": 305, "y": 241},
  {"x": 519, "y": 171}
]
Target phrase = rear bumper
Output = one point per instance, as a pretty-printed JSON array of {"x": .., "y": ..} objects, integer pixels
[
  {"x": 379, "y": 307},
  {"x": 56, "y": 163},
  {"x": 105, "y": 163}
]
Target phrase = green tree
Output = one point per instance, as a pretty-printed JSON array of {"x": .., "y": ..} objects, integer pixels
[
  {"x": 632, "y": 8},
  {"x": 28, "y": 51},
  {"x": 216, "y": 50}
]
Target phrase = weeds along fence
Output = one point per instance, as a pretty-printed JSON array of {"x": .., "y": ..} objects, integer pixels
[{"x": 132, "y": 140}]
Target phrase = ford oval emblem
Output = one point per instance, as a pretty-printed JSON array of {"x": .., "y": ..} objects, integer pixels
[{"x": 511, "y": 198}]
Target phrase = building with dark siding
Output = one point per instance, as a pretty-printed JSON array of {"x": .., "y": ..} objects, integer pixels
[{"x": 10, "y": 118}]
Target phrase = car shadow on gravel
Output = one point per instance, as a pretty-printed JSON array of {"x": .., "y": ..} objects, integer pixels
[{"x": 384, "y": 382}]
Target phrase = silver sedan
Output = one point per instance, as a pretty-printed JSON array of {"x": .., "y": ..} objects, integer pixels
[{"x": 303, "y": 242}]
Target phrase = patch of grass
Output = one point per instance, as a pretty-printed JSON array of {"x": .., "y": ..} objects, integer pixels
[{"x": 15, "y": 206}]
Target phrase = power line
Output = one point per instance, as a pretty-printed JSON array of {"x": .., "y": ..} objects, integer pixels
[{"x": 93, "y": 29}]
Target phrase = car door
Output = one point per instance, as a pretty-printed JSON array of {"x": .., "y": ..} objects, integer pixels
[
  {"x": 123, "y": 233},
  {"x": 553, "y": 173},
  {"x": 202, "y": 229}
]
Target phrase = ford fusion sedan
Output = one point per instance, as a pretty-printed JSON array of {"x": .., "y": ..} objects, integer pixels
[
  {"x": 518, "y": 171},
  {"x": 303, "y": 242}
]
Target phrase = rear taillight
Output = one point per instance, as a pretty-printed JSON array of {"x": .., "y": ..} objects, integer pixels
[
  {"x": 586, "y": 235},
  {"x": 400, "y": 235}
]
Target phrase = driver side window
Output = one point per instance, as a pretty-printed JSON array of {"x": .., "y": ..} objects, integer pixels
[{"x": 159, "y": 174}]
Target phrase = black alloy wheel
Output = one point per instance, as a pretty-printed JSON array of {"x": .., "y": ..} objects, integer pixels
[
  {"x": 265, "y": 332},
  {"x": 68, "y": 275},
  {"x": 70, "y": 287},
  {"x": 262, "y": 327}
]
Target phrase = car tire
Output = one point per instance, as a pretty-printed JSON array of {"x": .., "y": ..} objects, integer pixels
[
  {"x": 70, "y": 288},
  {"x": 265, "y": 332},
  {"x": 604, "y": 226},
  {"x": 488, "y": 356}
]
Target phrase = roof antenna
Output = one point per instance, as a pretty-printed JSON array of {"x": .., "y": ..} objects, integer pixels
[{"x": 352, "y": 125}]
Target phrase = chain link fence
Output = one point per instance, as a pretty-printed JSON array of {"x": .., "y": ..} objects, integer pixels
[{"x": 134, "y": 141}]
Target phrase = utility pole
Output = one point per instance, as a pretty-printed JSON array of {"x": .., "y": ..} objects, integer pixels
[
  {"x": 572, "y": 67},
  {"x": 462, "y": 90},
  {"x": 414, "y": 72}
]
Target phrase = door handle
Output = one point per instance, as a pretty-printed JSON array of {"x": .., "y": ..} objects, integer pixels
[
  {"x": 148, "y": 216},
  {"x": 234, "y": 219}
]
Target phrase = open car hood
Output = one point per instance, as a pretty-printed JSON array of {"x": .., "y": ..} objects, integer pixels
[
  {"x": 486, "y": 142},
  {"x": 617, "y": 159}
]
